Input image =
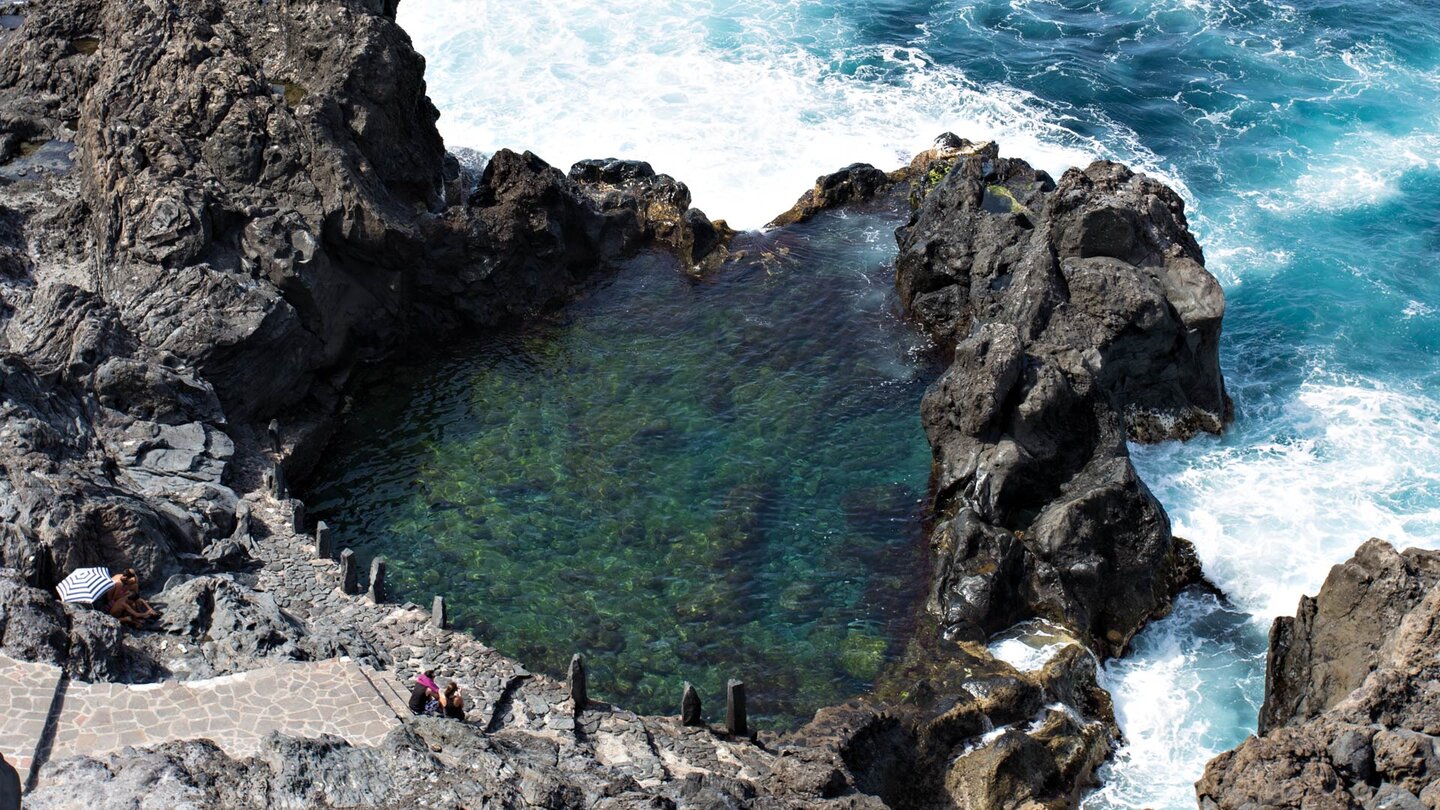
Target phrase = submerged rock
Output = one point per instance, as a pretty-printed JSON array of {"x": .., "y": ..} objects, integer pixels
[{"x": 1351, "y": 717}]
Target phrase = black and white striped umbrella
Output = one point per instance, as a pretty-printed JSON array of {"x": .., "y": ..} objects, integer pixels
[{"x": 85, "y": 585}]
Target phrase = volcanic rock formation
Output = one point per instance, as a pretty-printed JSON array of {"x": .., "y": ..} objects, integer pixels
[
  {"x": 1078, "y": 315},
  {"x": 1351, "y": 717},
  {"x": 259, "y": 201},
  {"x": 212, "y": 212}
]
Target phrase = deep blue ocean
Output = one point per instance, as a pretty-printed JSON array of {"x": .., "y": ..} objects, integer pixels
[{"x": 1305, "y": 136}]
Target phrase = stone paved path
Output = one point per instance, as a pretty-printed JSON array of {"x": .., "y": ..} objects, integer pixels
[
  {"x": 27, "y": 692},
  {"x": 500, "y": 693},
  {"x": 235, "y": 711}
]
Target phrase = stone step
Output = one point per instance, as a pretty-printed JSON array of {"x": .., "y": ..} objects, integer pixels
[{"x": 389, "y": 690}]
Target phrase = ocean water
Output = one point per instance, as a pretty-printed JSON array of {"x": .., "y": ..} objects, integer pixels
[{"x": 1305, "y": 135}]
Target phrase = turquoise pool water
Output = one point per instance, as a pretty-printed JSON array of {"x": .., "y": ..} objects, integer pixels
[{"x": 681, "y": 478}]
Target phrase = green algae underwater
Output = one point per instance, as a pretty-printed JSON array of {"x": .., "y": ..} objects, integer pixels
[{"x": 681, "y": 478}]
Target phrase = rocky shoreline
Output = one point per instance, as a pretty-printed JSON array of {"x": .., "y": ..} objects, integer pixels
[
  {"x": 1351, "y": 717},
  {"x": 211, "y": 214}
]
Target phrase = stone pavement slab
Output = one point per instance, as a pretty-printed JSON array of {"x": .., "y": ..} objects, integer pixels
[
  {"x": 235, "y": 711},
  {"x": 27, "y": 691}
]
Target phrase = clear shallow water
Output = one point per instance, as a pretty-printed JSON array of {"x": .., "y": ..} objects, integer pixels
[
  {"x": 682, "y": 479},
  {"x": 1305, "y": 134}
]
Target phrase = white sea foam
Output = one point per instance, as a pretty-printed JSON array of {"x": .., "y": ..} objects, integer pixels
[
  {"x": 1416, "y": 309},
  {"x": 1030, "y": 645},
  {"x": 1345, "y": 459},
  {"x": 1364, "y": 167},
  {"x": 1271, "y": 508},
  {"x": 723, "y": 101},
  {"x": 1199, "y": 666}
]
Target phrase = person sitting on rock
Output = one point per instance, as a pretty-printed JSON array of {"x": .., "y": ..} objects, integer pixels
[
  {"x": 425, "y": 693},
  {"x": 452, "y": 703},
  {"x": 120, "y": 604},
  {"x": 143, "y": 609}
]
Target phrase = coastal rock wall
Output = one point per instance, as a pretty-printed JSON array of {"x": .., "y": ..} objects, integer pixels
[
  {"x": 1080, "y": 315},
  {"x": 252, "y": 200},
  {"x": 1077, "y": 316},
  {"x": 1351, "y": 717}
]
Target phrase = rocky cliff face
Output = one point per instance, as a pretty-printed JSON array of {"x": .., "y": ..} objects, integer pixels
[
  {"x": 254, "y": 200},
  {"x": 1351, "y": 717},
  {"x": 1078, "y": 315}
]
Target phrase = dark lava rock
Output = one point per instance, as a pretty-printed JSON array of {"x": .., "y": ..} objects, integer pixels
[
  {"x": 1080, "y": 316},
  {"x": 259, "y": 202},
  {"x": 431, "y": 762},
  {"x": 858, "y": 182},
  {"x": 231, "y": 628},
  {"x": 35, "y": 626},
  {"x": 1351, "y": 717},
  {"x": 956, "y": 728}
]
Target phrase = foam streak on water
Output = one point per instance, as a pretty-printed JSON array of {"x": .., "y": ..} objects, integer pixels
[{"x": 1304, "y": 134}]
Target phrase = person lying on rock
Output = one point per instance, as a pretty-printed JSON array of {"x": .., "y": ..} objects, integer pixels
[
  {"x": 425, "y": 694},
  {"x": 452, "y": 703},
  {"x": 143, "y": 609}
]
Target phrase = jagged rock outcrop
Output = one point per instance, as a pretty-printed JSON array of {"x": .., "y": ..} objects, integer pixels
[
  {"x": 228, "y": 628},
  {"x": 1351, "y": 717},
  {"x": 431, "y": 763},
  {"x": 956, "y": 728},
  {"x": 256, "y": 199},
  {"x": 1080, "y": 315},
  {"x": 858, "y": 182}
]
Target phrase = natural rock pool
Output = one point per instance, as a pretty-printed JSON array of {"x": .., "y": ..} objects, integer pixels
[{"x": 680, "y": 478}]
